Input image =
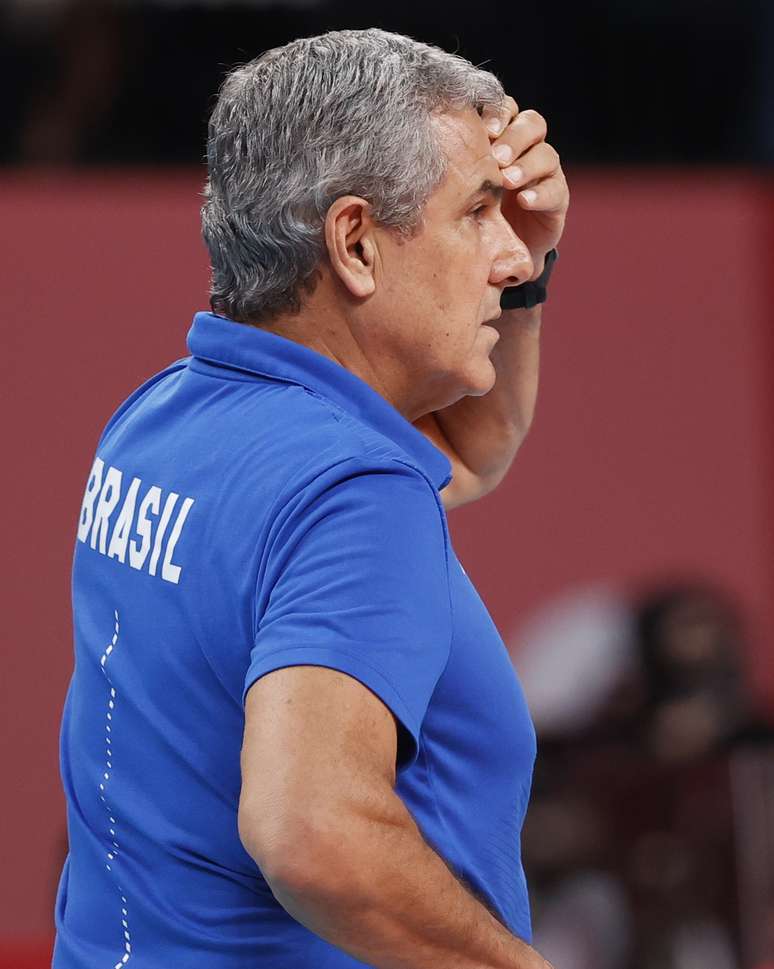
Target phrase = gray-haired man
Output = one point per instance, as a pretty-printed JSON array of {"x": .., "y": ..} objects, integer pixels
[{"x": 263, "y": 561}]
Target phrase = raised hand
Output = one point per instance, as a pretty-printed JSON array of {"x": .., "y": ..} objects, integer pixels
[{"x": 537, "y": 195}]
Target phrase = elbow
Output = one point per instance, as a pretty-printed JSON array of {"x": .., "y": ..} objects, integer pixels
[
  {"x": 495, "y": 476},
  {"x": 490, "y": 482},
  {"x": 251, "y": 837},
  {"x": 295, "y": 859},
  {"x": 518, "y": 433},
  {"x": 270, "y": 844}
]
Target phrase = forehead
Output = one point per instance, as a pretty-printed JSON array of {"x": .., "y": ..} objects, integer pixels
[{"x": 465, "y": 141}]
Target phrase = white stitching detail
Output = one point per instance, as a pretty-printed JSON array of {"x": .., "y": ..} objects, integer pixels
[{"x": 112, "y": 851}]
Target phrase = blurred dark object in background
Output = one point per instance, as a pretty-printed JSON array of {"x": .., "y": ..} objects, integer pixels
[
  {"x": 695, "y": 700},
  {"x": 650, "y": 839},
  {"x": 621, "y": 81}
]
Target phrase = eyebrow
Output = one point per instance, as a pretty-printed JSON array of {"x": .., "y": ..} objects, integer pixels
[{"x": 487, "y": 187}]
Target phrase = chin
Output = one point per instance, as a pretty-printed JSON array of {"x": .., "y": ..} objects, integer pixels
[
  {"x": 481, "y": 380},
  {"x": 480, "y": 373}
]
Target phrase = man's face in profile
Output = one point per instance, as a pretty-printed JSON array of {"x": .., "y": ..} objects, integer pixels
[{"x": 440, "y": 287}]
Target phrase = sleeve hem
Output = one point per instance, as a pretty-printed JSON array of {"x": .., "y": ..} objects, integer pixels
[{"x": 345, "y": 662}]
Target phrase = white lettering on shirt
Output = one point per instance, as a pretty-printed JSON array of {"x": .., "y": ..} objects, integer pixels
[
  {"x": 92, "y": 490},
  {"x": 108, "y": 499},
  {"x": 150, "y": 502},
  {"x": 169, "y": 570},
  {"x": 169, "y": 506},
  {"x": 141, "y": 530},
  {"x": 123, "y": 526}
]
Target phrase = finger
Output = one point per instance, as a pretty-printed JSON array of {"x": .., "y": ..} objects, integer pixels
[
  {"x": 527, "y": 129},
  {"x": 550, "y": 195},
  {"x": 536, "y": 163},
  {"x": 498, "y": 117}
]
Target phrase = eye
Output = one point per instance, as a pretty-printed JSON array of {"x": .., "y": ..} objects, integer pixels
[{"x": 480, "y": 209}]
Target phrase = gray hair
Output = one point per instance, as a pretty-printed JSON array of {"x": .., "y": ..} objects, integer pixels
[{"x": 345, "y": 113}]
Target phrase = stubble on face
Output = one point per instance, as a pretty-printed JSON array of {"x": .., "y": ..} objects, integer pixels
[{"x": 424, "y": 329}]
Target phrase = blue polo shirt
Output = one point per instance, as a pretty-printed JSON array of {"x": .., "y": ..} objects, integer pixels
[{"x": 257, "y": 506}]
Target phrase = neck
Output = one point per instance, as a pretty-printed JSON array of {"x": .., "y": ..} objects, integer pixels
[{"x": 333, "y": 333}]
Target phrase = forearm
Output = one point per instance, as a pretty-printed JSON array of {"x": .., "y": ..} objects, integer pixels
[
  {"x": 390, "y": 901},
  {"x": 486, "y": 432}
]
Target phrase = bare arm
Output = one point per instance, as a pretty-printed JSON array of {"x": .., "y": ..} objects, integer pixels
[
  {"x": 338, "y": 847},
  {"x": 481, "y": 435}
]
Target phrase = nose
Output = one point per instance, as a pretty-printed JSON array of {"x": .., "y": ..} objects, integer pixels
[{"x": 513, "y": 263}]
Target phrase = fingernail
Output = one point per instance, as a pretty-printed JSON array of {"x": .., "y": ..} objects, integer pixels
[
  {"x": 495, "y": 125},
  {"x": 514, "y": 174},
  {"x": 503, "y": 153},
  {"x": 529, "y": 196}
]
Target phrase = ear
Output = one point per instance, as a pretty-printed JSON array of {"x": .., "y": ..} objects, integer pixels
[{"x": 349, "y": 237}]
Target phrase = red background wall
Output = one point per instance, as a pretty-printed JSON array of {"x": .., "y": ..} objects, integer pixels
[{"x": 651, "y": 451}]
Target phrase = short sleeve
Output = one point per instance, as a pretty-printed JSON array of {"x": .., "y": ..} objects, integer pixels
[{"x": 355, "y": 578}]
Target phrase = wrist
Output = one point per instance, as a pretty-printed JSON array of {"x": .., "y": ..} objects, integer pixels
[
  {"x": 534, "y": 291},
  {"x": 540, "y": 266}
]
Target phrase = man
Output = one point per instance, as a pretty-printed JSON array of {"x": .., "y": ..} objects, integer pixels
[{"x": 263, "y": 560}]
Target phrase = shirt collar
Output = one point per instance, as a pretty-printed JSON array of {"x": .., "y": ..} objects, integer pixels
[{"x": 223, "y": 342}]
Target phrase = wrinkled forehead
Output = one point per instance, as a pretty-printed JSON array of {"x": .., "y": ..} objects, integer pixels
[{"x": 464, "y": 140}]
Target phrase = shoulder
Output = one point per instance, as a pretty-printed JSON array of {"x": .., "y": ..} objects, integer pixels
[
  {"x": 378, "y": 495},
  {"x": 353, "y": 486},
  {"x": 333, "y": 449},
  {"x": 136, "y": 397}
]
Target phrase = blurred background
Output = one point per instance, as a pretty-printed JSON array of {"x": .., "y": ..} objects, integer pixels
[{"x": 627, "y": 559}]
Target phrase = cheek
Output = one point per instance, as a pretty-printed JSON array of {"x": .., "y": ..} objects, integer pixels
[
  {"x": 481, "y": 253},
  {"x": 445, "y": 287}
]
